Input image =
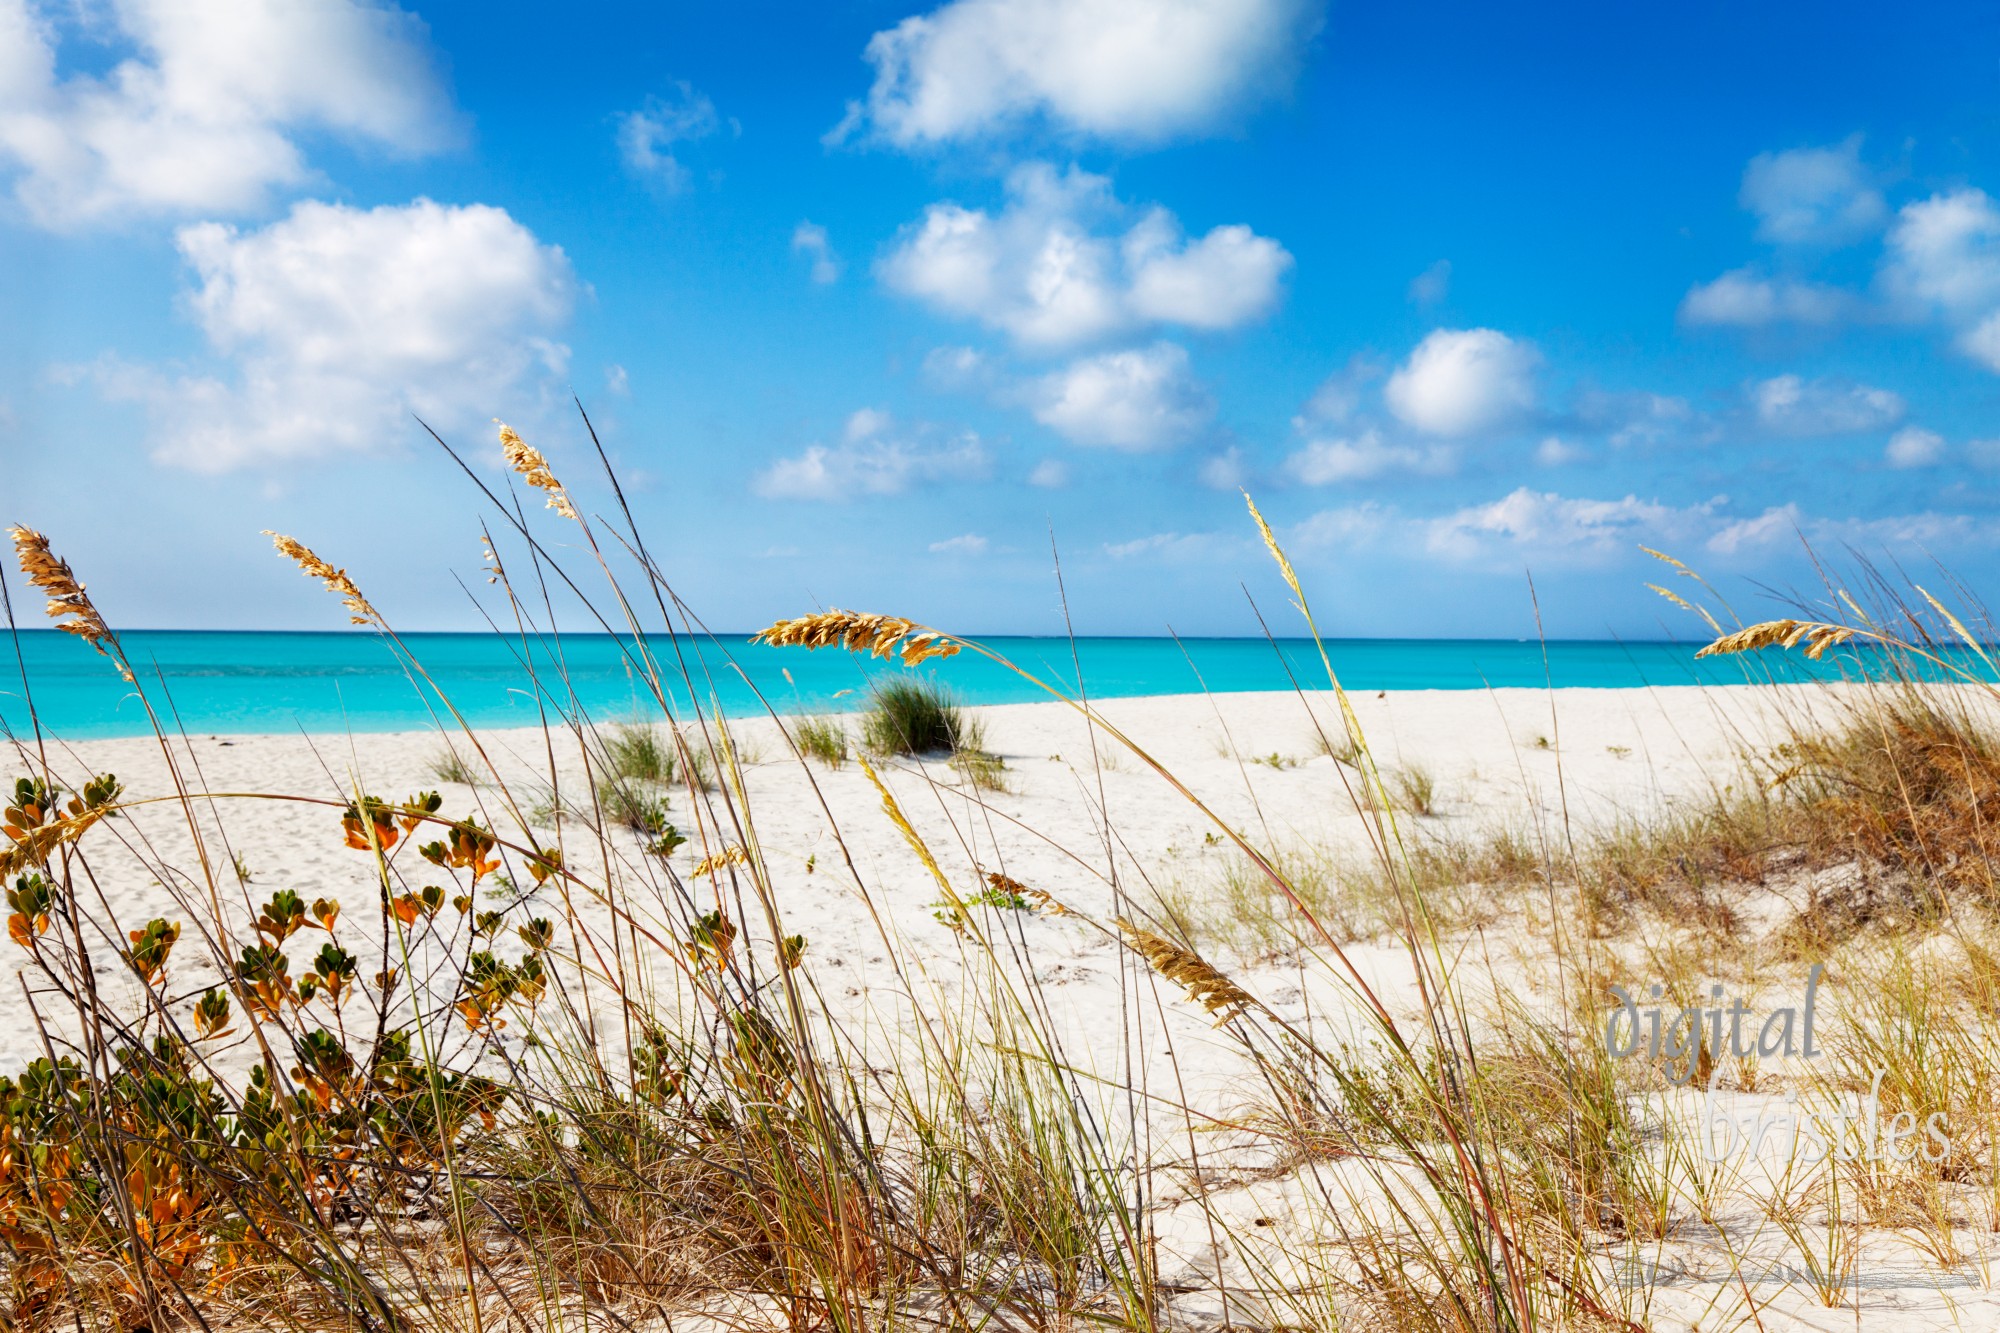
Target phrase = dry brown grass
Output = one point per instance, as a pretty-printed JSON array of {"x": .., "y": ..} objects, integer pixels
[{"x": 396, "y": 1163}]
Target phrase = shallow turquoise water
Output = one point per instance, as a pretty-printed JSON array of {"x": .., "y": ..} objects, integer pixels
[{"x": 227, "y": 682}]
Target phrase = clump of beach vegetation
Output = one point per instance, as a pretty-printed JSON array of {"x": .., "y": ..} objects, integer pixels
[{"x": 550, "y": 1079}]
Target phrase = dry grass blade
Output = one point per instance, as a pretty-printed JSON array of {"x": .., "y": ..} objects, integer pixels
[
  {"x": 1817, "y": 636},
  {"x": 68, "y": 605},
  {"x": 910, "y": 836},
  {"x": 527, "y": 460},
  {"x": 1957, "y": 625},
  {"x": 859, "y": 631},
  {"x": 358, "y": 609},
  {"x": 1203, "y": 983}
]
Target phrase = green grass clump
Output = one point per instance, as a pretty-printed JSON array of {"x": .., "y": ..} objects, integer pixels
[
  {"x": 641, "y": 753},
  {"x": 918, "y": 717},
  {"x": 637, "y": 750},
  {"x": 821, "y": 738},
  {"x": 634, "y": 804}
]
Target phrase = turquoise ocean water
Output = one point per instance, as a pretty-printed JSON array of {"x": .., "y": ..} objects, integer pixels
[{"x": 226, "y": 682}]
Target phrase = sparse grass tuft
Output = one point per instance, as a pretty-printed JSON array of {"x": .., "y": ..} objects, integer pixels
[
  {"x": 447, "y": 765},
  {"x": 634, "y": 804},
  {"x": 912, "y": 716},
  {"x": 1414, "y": 789},
  {"x": 985, "y": 770},
  {"x": 821, "y": 738},
  {"x": 636, "y": 750},
  {"x": 1339, "y": 746}
]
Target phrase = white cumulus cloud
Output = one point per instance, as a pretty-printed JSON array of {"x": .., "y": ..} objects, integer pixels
[
  {"x": 646, "y": 137},
  {"x": 1228, "y": 277},
  {"x": 1549, "y": 528},
  {"x": 1945, "y": 251},
  {"x": 1744, "y": 298},
  {"x": 1944, "y": 255},
  {"x": 204, "y": 111},
  {"x": 1543, "y": 526},
  {"x": 1776, "y": 524},
  {"x": 1170, "y": 546},
  {"x": 1141, "y": 70},
  {"x": 873, "y": 458},
  {"x": 969, "y": 544},
  {"x": 342, "y": 322},
  {"x": 1547, "y": 521},
  {"x": 1461, "y": 381},
  {"x": 1914, "y": 447},
  {"x": 1143, "y": 398},
  {"x": 1813, "y": 196},
  {"x": 1792, "y": 405},
  {"x": 1326, "y": 462},
  {"x": 1053, "y": 268}
]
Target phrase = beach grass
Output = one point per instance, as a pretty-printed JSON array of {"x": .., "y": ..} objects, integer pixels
[
  {"x": 588, "y": 1079},
  {"x": 821, "y": 738},
  {"x": 914, "y": 716}
]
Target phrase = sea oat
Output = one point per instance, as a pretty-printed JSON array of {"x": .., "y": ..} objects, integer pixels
[
  {"x": 527, "y": 460},
  {"x": 732, "y": 855},
  {"x": 69, "y": 605},
  {"x": 857, "y": 631},
  {"x": 1049, "y": 904},
  {"x": 1277, "y": 552},
  {"x": 1672, "y": 596},
  {"x": 1816, "y": 635},
  {"x": 1957, "y": 625},
  {"x": 336, "y": 580},
  {"x": 35, "y": 846},
  {"x": 1210, "y": 988}
]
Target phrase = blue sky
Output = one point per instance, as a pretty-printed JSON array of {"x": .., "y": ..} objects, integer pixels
[{"x": 873, "y": 303}]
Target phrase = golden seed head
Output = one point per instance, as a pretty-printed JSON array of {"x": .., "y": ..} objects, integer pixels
[
  {"x": 732, "y": 855},
  {"x": 1206, "y": 986},
  {"x": 527, "y": 460},
  {"x": 336, "y": 580},
  {"x": 859, "y": 631},
  {"x": 68, "y": 604},
  {"x": 1277, "y": 551},
  {"x": 1817, "y": 636},
  {"x": 1042, "y": 898}
]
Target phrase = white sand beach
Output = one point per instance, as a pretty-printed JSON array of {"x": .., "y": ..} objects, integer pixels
[{"x": 1088, "y": 823}]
